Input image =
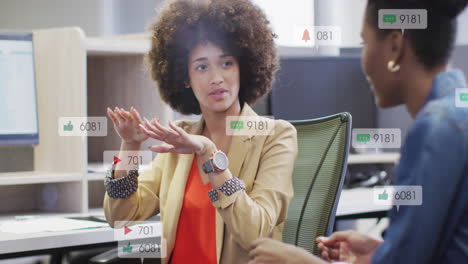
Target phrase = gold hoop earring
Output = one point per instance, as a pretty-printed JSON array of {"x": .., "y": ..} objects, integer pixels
[{"x": 392, "y": 67}]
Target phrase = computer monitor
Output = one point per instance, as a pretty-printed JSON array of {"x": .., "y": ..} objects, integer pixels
[
  {"x": 312, "y": 87},
  {"x": 18, "y": 103}
]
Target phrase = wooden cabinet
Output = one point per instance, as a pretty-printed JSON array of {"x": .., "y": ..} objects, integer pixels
[{"x": 78, "y": 76}]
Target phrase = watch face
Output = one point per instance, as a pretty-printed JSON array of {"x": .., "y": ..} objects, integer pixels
[{"x": 220, "y": 160}]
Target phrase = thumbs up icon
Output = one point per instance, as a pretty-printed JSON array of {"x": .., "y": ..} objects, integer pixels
[
  {"x": 128, "y": 248},
  {"x": 68, "y": 127},
  {"x": 383, "y": 196}
]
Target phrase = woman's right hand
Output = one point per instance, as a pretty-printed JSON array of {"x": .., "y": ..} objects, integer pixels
[
  {"x": 127, "y": 125},
  {"x": 348, "y": 246}
]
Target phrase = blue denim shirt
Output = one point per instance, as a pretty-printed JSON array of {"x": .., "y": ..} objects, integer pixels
[{"x": 434, "y": 156}]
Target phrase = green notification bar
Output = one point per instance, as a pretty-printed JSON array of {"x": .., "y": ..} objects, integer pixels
[
  {"x": 363, "y": 138},
  {"x": 464, "y": 97},
  {"x": 389, "y": 19},
  {"x": 237, "y": 125}
]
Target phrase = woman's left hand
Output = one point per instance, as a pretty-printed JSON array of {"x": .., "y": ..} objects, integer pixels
[
  {"x": 269, "y": 251},
  {"x": 178, "y": 140}
]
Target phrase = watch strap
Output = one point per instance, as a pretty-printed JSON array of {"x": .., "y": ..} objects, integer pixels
[
  {"x": 213, "y": 194},
  {"x": 123, "y": 187},
  {"x": 228, "y": 188},
  {"x": 208, "y": 166}
]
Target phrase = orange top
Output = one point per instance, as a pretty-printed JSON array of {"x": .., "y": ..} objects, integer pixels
[{"x": 196, "y": 231}]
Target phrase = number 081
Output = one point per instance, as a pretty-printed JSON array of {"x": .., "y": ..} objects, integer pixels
[{"x": 324, "y": 35}]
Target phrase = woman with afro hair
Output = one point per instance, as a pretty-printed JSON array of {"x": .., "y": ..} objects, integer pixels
[{"x": 216, "y": 191}]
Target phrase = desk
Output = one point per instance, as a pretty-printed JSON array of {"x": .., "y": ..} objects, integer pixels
[
  {"x": 359, "y": 203},
  {"x": 57, "y": 243},
  {"x": 54, "y": 243},
  {"x": 353, "y": 204}
]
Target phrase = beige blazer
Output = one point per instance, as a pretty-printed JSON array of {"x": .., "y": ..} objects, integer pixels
[{"x": 264, "y": 163}]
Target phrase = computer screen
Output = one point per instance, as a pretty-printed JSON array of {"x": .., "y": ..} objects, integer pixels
[
  {"x": 314, "y": 87},
  {"x": 18, "y": 103},
  {"x": 308, "y": 88}
]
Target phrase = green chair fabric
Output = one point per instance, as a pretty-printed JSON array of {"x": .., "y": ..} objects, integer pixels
[{"x": 318, "y": 177}]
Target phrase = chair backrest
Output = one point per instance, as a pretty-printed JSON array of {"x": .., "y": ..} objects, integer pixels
[{"x": 318, "y": 177}]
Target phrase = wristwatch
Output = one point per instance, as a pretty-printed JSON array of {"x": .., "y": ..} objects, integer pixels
[{"x": 217, "y": 163}]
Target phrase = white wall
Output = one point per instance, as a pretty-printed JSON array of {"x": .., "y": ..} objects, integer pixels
[
  {"x": 462, "y": 36},
  {"x": 350, "y": 14},
  {"x": 107, "y": 17},
  {"x": 95, "y": 17},
  {"x": 91, "y": 15},
  {"x": 133, "y": 16},
  {"x": 350, "y": 17},
  {"x": 284, "y": 16}
]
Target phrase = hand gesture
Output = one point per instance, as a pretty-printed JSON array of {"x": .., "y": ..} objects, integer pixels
[
  {"x": 269, "y": 251},
  {"x": 177, "y": 140},
  {"x": 348, "y": 246},
  {"x": 127, "y": 125}
]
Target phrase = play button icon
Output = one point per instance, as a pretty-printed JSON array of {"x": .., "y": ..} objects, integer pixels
[
  {"x": 116, "y": 160},
  {"x": 127, "y": 230}
]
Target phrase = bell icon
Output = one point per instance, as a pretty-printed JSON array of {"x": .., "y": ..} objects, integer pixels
[{"x": 305, "y": 35}]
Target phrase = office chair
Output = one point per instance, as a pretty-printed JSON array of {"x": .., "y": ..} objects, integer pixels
[{"x": 318, "y": 177}]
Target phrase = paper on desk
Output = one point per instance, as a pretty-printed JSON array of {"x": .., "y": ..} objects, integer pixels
[{"x": 47, "y": 224}]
